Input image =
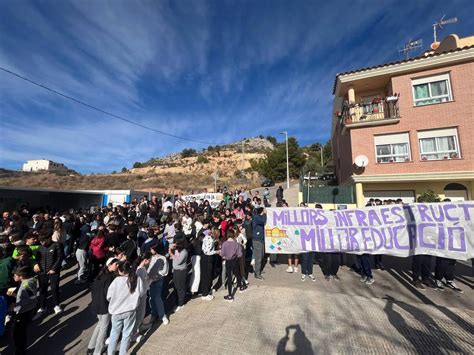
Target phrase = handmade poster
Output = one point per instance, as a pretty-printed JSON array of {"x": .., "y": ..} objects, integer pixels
[
  {"x": 440, "y": 229},
  {"x": 213, "y": 198}
]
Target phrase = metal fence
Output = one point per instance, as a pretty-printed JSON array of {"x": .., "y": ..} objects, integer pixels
[{"x": 327, "y": 194}]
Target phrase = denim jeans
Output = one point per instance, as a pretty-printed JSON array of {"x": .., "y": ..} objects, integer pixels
[
  {"x": 99, "y": 335},
  {"x": 365, "y": 265},
  {"x": 307, "y": 263},
  {"x": 122, "y": 323},
  {"x": 156, "y": 300}
]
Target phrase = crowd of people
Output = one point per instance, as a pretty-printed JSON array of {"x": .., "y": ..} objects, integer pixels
[{"x": 133, "y": 254}]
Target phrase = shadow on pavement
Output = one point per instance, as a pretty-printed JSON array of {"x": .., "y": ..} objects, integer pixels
[
  {"x": 446, "y": 311},
  {"x": 295, "y": 343},
  {"x": 435, "y": 338}
]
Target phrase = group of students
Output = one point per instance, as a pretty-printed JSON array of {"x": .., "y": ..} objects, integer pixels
[
  {"x": 134, "y": 254},
  {"x": 131, "y": 256}
]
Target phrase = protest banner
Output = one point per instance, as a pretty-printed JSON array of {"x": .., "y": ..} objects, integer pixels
[
  {"x": 214, "y": 198},
  {"x": 440, "y": 229}
]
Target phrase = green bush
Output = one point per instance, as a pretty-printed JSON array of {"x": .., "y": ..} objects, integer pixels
[
  {"x": 202, "y": 159},
  {"x": 187, "y": 153}
]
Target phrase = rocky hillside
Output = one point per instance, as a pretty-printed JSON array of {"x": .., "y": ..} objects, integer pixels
[{"x": 192, "y": 172}]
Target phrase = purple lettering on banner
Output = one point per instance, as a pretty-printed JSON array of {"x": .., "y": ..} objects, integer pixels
[
  {"x": 421, "y": 235},
  {"x": 343, "y": 244},
  {"x": 466, "y": 207},
  {"x": 373, "y": 218},
  {"x": 447, "y": 207},
  {"x": 441, "y": 237},
  {"x": 398, "y": 211},
  {"x": 361, "y": 218},
  {"x": 385, "y": 216},
  {"x": 377, "y": 235},
  {"x": 279, "y": 218},
  {"x": 387, "y": 238},
  {"x": 304, "y": 217},
  {"x": 394, "y": 234},
  {"x": 317, "y": 217},
  {"x": 308, "y": 237},
  {"x": 341, "y": 219},
  {"x": 367, "y": 238},
  {"x": 422, "y": 209},
  {"x": 319, "y": 236},
  {"x": 352, "y": 239},
  {"x": 437, "y": 217},
  {"x": 462, "y": 239},
  {"x": 349, "y": 215},
  {"x": 329, "y": 237},
  {"x": 408, "y": 209}
]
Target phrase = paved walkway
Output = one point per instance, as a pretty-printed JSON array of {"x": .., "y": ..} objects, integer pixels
[{"x": 284, "y": 315}]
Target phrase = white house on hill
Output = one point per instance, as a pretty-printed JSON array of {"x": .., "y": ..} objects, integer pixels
[{"x": 43, "y": 164}]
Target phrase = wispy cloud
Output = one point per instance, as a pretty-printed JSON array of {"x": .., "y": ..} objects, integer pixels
[{"x": 212, "y": 71}]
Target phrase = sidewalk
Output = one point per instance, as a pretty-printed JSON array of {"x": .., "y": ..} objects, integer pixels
[
  {"x": 321, "y": 317},
  {"x": 282, "y": 315}
]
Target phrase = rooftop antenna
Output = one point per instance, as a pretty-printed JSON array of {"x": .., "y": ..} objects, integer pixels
[
  {"x": 440, "y": 25},
  {"x": 411, "y": 46}
]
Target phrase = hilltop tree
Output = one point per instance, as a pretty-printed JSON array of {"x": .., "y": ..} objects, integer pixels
[
  {"x": 137, "y": 165},
  {"x": 273, "y": 165},
  {"x": 124, "y": 170},
  {"x": 187, "y": 153},
  {"x": 272, "y": 140}
]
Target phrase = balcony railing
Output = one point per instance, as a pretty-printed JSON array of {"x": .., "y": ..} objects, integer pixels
[{"x": 365, "y": 113}]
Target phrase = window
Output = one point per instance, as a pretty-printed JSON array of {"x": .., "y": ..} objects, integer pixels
[
  {"x": 392, "y": 148},
  {"x": 431, "y": 90},
  {"x": 439, "y": 144}
]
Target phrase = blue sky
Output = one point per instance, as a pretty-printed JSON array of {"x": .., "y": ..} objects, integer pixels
[{"x": 214, "y": 71}]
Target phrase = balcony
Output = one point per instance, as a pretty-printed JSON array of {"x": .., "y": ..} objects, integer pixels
[{"x": 374, "y": 113}]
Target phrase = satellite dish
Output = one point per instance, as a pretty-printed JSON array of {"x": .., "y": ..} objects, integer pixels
[{"x": 361, "y": 161}]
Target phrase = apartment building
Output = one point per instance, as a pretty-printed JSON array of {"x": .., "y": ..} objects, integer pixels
[
  {"x": 402, "y": 128},
  {"x": 43, "y": 164}
]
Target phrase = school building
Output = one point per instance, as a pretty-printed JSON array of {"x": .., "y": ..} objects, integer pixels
[{"x": 402, "y": 128}]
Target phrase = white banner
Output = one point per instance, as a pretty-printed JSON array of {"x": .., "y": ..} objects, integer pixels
[
  {"x": 213, "y": 198},
  {"x": 441, "y": 229}
]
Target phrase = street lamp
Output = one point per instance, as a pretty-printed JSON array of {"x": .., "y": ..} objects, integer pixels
[{"x": 287, "y": 163}]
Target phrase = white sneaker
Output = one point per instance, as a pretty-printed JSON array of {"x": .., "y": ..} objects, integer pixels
[
  {"x": 252, "y": 262},
  {"x": 107, "y": 341},
  {"x": 207, "y": 298},
  {"x": 303, "y": 277},
  {"x": 165, "y": 320},
  {"x": 312, "y": 277},
  {"x": 295, "y": 269},
  {"x": 41, "y": 310},
  {"x": 177, "y": 309},
  {"x": 57, "y": 309},
  {"x": 290, "y": 269},
  {"x": 138, "y": 339}
]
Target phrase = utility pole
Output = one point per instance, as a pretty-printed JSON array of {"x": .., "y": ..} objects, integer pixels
[
  {"x": 287, "y": 161},
  {"x": 242, "y": 160}
]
